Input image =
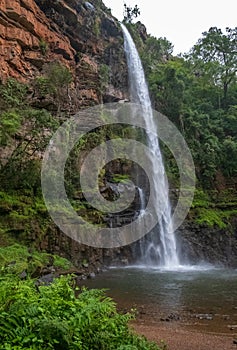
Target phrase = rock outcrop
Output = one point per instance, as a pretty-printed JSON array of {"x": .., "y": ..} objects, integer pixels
[
  {"x": 81, "y": 35},
  {"x": 200, "y": 243}
]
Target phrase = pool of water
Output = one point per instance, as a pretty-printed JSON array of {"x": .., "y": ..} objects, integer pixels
[{"x": 200, "y": 297}]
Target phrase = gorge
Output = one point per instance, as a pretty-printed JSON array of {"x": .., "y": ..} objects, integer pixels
[
  {"x": 59, "y": 61},
  {"x": 88, "y": 41}
]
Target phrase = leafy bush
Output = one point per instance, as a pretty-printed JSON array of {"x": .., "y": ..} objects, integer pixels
[
  {"x": 201, "y": 199},
  {"x": 16, "y": 258},
  {"x": 210, "y": 217},
  {"x": 13, "y": 93},
  {"x": 53, "y": 317},
  {"x": 9, "y": 124}
]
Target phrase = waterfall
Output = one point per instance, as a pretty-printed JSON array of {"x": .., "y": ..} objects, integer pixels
[
  {"x": 160, "y": 249},
  {"x": 142, "y": 200}
]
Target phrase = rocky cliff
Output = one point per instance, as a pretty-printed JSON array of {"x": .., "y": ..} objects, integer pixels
[{"x": 82, "y": 35}]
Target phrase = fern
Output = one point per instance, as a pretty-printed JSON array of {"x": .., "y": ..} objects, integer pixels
[{"x": 53, "y": 317}]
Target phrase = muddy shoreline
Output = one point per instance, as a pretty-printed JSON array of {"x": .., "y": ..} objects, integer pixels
[{"x": 179, "y": 337}]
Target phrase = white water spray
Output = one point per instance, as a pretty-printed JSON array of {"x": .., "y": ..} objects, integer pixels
[{"x": 161, "y": 249}]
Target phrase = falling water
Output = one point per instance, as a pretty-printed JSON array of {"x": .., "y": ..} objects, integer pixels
[
  {"x": 142, "y": 200},
  {"x": 142, "y": 242},
  {"x": 157, "y": 250}
]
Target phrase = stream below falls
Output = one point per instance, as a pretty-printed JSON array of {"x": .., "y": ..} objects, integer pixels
[{"x": 203, "y": 298}]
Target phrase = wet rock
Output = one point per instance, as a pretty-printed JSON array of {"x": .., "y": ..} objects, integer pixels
[
  {"x": 142, "y": 30},
  {"x": 23, "y": 275},
  {"x": 47, "y": 270},
  {"x": 210, "y": 244},
  {"x": 89, "y": 6},
  {"x": 92, "y": 275},
  {"x": 232, "y": 327},
  {"x": 109, "y": 28},
  {"x": 124, "y": 261},
  {"x": 170, "y": 317},
  {"x": 45, "y": 280},
  {"x": 226, "y": 317},
  {"x": 142, "y": 311},
  {"x": 104, "y": 269},
  {"x": 204, "y": 316},
  {"x": 80, "y": 278}
]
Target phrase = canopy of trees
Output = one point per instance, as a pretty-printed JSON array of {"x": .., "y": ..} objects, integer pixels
[{"x": 198, "y": 92}]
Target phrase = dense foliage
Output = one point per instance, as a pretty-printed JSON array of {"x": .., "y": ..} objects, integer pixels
[
  {"x": 18, "y": 260},
  {"x": 198, "y": 92},
  {"x": 53, "y": 317}
]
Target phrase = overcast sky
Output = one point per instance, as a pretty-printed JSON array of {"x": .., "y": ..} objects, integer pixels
[{"x": 180, "y": 21}]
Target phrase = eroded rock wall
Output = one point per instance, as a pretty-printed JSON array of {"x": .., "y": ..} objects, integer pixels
[{"x": 81, "y": 35}]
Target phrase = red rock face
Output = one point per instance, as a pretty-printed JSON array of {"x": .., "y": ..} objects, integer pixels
[
  {"x": 24, "y": 31},
  {"x": 33, "y": 33}
]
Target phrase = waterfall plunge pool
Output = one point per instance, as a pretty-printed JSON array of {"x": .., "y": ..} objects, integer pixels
[{"x": 198, "y": 297}]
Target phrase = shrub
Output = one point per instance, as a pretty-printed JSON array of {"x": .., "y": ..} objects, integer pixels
[
  {"x": 13, "y": 93},
  {"x": 54, "y": 317},
  {"x": 10, "y": 123},
  {"x": 16, "y": 258}
]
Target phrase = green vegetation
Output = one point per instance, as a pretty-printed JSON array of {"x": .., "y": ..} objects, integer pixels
[
  {"x": 23, "y": 216},
  {"x": 27, "y": 131},
  {"x": 210, "y": 217},
  {"x": 212, "y": 209},
  {"x": 43, "y": 46},
  {"x": 97, "y": 27},
  {"x": 12, "y": 94},
  {"x": 197, "y": 91},
  {"x": 57, "y": 79},
  {"x": 120, "y": 178},
  {"x": 35, "y": 315},
  {"x": 16, "y": 259},
  {"x": 9, "y": 124},
  {"x": 201, "y": 199},
  {"x": 104, "y": 74},
  {"x": 218, "y": 52}
]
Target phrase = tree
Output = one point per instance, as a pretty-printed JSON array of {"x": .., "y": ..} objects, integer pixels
[
  {"x": 167, "y": 83},
  {"x": 219, "y": 51},
  {"x": 130, "y": 13},
  {"x": 155, "y": 50},
  {"x": 57, "y": 79},
  {"x": 229, "y": 156},
  {"x": 24, "y": 134}
]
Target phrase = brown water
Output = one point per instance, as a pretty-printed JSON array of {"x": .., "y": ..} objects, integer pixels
[{"x": 201, "y": 298}]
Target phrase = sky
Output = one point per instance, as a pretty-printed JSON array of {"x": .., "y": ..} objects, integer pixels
[{"x": 182, "y": 22}]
